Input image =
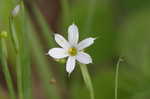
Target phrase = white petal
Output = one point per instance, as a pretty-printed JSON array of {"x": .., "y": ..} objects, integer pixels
[
  {"x": 70, "y": 64},
  {"x": 84, "y": 58},
  {"x": 73, "y": 34},
  {"x": 57, "y": 53},
  {"x": 61, "y": 41},
  {"x": 85, "y": 43}
]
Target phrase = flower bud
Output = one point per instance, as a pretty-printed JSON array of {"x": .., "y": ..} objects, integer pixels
[
  {"x": 3, "y": 34},
  {"x": 16, "y": 10}
]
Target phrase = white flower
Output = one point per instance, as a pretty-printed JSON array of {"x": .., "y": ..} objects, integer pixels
[{"x": 71, "y": 48}]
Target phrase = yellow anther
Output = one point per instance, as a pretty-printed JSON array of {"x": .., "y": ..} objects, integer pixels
[{"x": 72, "y": 51}]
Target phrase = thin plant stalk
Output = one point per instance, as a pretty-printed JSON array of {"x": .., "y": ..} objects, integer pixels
[
  {"x": 19, "y": 76},
  {"x": 87, "y": 79},
  {"x": 116, "y": 78},
  {"x": 5, "y": 69},
  {"x": 16, "y": 45}
]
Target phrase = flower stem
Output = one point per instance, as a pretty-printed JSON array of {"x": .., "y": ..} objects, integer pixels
[
  {"x": 116, "y": 78},
  {"x": 5, "y": 69},
  {"x": 87, "y": 79},
  {"x": 16, "y": 44},
  {"x": 19, "y": 76}
]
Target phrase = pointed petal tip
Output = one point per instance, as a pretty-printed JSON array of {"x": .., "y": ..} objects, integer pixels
[
  {"x": 56, "y": 34},
  {"x": 69, "y": 74},
  {"x": 46, "y": 54},
  {"x": 91, "y": 61},
  {"x": 73, "y": 25},
  {"x": 94, "y": 38}
]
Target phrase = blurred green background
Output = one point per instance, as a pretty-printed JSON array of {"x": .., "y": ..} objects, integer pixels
[{"x": 121, "y": 26}]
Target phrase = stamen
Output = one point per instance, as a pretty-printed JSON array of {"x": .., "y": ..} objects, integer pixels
[{"x": 72, "y": 51}]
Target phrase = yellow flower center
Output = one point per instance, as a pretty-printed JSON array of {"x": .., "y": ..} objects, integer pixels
[{"x": 72, "y": 51}]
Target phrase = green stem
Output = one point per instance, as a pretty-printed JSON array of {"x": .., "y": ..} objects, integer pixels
[
  {"x": 6, "y": 70},
  {"x": 19, "y": 75},
  {"x": 87, "y": 79},
  {"x": 16, "y": 45},
  {"x": 116, "y": 78}
]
